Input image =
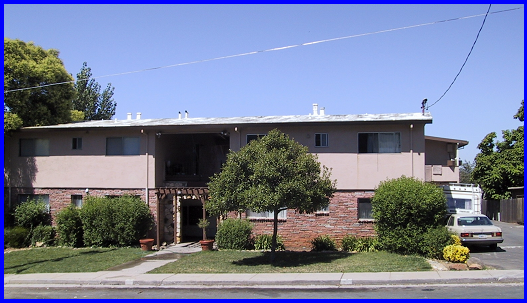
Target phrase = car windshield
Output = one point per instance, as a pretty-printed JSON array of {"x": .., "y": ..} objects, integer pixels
[{"x": 471, "y": 221}]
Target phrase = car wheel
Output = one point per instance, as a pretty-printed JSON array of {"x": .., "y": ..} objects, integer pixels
[{"x": 493, "y": 246}]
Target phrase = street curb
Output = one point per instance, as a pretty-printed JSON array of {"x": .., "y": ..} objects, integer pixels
[{"x": 287, "y": 280}]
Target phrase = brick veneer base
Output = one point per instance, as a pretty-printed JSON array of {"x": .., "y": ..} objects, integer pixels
[
  {"x": 298, "y": 230},
  {"x": 60, "y": 198}
]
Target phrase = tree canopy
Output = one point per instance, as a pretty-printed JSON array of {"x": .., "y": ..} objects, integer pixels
[
  {"x": 89, "y": 99},
  {"x": 500, "y": 164},
  {"x": 27, "y": 65},
  {"x": 272, "y": 173}
]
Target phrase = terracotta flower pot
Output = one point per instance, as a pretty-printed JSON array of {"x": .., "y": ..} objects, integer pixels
[
  {"x": 206, "y": 244},
  {"x": 146, "y": 244}
]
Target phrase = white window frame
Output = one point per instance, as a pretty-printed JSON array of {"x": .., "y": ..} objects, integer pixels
[
  {"x": 321, "y": 140},
  {"x": 269, "y": 215},
  {"x": 376, "y": 146},
  {"x": 33, "y": 147}
]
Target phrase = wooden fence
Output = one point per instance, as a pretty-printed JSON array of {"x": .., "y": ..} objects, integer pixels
[{"x": 510, "y": 210}]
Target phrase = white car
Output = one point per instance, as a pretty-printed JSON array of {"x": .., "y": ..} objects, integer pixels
[{"x": 475, "y": 229}]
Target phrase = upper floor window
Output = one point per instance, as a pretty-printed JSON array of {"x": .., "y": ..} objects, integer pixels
[
  {"x": 76, "y": 143},
  {"x": 34, "y": 147},
  {"x": 122, "y": 146},
  {"x": 321, "y": 140},
  {"x": 379, "y": 142},
  {"x": 254, "y": 137}
]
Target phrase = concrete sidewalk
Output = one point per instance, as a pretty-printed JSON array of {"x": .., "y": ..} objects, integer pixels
[{"x": 135, "y": 274}]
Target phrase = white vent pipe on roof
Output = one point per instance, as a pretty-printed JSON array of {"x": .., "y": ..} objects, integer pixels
[
  {"x": 315, "y": 109},
  {"x": 138, "y": 117},
  {"x": 129, "y": 116},
  {"x": 186, "y": 114},
  {"x": 179, "y": 117},
  {"x": 322, "y": 111}
]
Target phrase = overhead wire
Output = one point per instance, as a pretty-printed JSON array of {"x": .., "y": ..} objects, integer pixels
[
  {"x": 272, "y": 49},
  {"x": 466, "y": 59}
]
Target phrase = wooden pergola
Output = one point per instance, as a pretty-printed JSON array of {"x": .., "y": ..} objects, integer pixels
[{"x": 196, "y": 193}]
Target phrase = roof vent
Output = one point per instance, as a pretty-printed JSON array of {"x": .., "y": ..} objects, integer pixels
[
  {"x": 322, "y": 111},
  {"x": 315, "y": 109},
  {"x": 138, "y": 117},
  {"x": 129, "y": 116}
]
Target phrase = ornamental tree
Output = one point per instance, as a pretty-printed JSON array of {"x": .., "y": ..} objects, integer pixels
[{"x": 272, "y": 173}]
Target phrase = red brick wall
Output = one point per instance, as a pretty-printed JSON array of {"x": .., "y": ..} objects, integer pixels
[
  {"x": 60, "y": 198},
  {"x": 297, "y": 230}
]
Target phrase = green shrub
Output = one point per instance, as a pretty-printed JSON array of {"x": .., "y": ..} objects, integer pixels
[
  {"x": 456, "y": 253},
  {"x": 31, "y": 214},
  {"x": 16, "y": 237},
  {"x": 234, "y": 234},
  {"x": 360, "y": 244},
  {"x": 44, "y": 234},
  {"x": 404, "y": 209},
  {"x": 69, "y": 227},
  {"x": 118, "y": 221},
  {"x": 264, "y": 242},
  {"x": 434, "y": 241},
  {"x": 322, "y": 243}
]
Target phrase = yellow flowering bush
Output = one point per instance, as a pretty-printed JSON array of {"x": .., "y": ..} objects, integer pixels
[
  {"x": 456, "y": 240},
  {"x": 456, "y": 253}
]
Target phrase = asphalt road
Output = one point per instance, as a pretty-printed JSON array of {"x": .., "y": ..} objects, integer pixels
[
  {"x": 471, "y": 291},
  {"x": 509, "y": 254}
]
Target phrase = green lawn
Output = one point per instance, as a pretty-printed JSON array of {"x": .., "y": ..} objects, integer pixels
[
  {"x": 63, "y": 259},
  {"x": 293, "y": 262}
]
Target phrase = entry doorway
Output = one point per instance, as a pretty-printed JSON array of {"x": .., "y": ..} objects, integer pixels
[{"x": 191, "y": 212}]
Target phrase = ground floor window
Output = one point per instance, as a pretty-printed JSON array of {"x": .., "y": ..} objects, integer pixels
[
  {"x": 76, "y": 200},
  {"x": 25, "y": 197},
  {"x": 365, "y": 208},
  {"x": 266, "y": 214}
]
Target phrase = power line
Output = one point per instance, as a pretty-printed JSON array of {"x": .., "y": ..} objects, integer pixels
[
  {"x": 466, "y": 59},
  {"x": 276, "y": 49}
]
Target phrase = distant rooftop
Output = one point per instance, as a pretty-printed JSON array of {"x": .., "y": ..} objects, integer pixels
[{"x": 426, "y": 118}]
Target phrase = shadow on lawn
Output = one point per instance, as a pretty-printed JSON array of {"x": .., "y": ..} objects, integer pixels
[
  {"x": 292, "y": 258},
  {"x": 21, "y": 268}
]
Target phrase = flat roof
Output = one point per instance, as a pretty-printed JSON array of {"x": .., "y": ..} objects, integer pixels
[
  {"x": 447, "y": 140},
  {"x": 409, "y": 117}
]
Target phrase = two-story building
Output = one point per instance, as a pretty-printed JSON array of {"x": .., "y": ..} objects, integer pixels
[{"x": 168, "y": 162}]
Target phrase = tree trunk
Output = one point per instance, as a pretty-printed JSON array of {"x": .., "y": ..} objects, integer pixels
[{"x": 275, "y": 231}]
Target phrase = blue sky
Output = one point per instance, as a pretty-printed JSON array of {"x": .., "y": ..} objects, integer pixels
[{"x": 388, "y": 72}]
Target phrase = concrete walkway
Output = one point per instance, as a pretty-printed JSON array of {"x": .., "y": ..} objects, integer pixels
[{"x": 134, "y": 274}]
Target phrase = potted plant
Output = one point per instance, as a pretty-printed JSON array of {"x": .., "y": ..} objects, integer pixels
[{"x": 206, "y": 244}]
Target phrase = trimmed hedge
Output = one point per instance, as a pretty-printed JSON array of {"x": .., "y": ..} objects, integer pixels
[
  {"x": 404, "y": 210},
  {"x": 118, "y": 221},
  {"x": 322, "y": 243},
  {"x": 234, "y": 234},
  {"x": 69, "y": 227},
  {"x": 16, "y": 237},
  {"x": 44, "y": 234},
  {"x": 31, "y": 214}
]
